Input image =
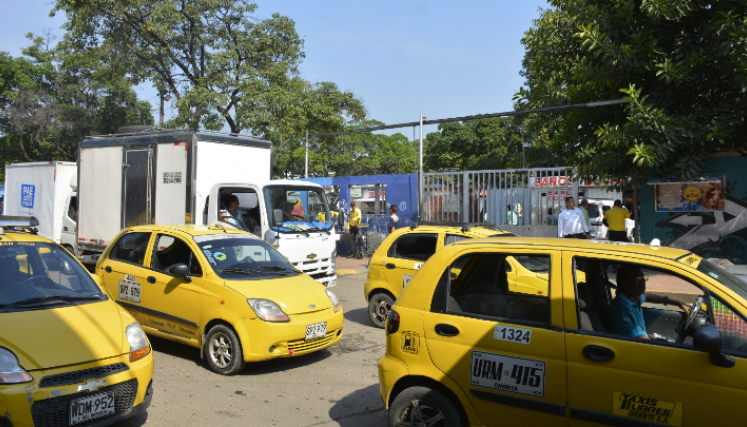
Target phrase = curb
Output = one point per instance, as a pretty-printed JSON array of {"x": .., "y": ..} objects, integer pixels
[{"x": 345, "y": 272}]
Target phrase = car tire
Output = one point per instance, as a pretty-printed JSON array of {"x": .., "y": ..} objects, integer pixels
[
  {"x": 222, "y": 351},
  {"x": 424, "y": 406},
  {"x": 379, "y": 306}
]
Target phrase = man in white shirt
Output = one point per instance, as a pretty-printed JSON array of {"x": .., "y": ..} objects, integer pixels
[{"x": 571, "y": 222}]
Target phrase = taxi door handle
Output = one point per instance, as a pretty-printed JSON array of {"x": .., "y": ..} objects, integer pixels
[
  {"x": 108, "y": 269},
  {"x": 598, "y": 354},
  {"x": 151, "y": 279},
  {"x": 391, "y": 266},
  {"x": 447, "y": 330}
]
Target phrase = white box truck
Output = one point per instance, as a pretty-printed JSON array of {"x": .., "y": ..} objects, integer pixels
[
  {"x": 45, "y": 190},
  {"x": 195, "y": 177}
]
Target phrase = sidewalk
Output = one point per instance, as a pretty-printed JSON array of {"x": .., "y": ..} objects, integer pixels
[{"x": 347, "y": 266}]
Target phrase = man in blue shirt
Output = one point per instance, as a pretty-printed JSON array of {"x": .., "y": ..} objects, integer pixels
[
  {"x": 393, "y": 222},
  {"x": 626, "y": 313}
]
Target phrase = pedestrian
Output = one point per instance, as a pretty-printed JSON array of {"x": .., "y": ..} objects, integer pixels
[
  {"x": 511, "y": 217},
  {"x": 394, "y": 221},
  {"x": 353, "y": 223},
  {"x": 584, "y": 206},
  {"x": 571, "y": 223},
  {"x": 616, "y": 218}
]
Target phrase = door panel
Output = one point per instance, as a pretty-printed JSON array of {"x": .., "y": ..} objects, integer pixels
[
  {"x": 406, "y": 255},
  {"x": 510, "y": 368},
  {"x": 123, "y": 272},
  {"x": 644, "y": 380}
]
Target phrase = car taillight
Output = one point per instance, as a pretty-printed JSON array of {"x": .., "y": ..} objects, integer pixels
[{"x": 392, "y": 322}]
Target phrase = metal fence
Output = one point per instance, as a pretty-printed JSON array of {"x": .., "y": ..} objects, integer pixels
[{"x": 524, "y": 201}]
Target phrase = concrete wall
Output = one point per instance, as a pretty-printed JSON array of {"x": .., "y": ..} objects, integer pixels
[{"x": 704, "y": 232}]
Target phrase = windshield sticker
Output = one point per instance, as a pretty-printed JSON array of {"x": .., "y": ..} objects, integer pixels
[
  {"x": 209, "y": 256},
  {"x": 507, "y": 373},
  {"x": 712, "y": 274},
  {"x": 207, "y": 246},
  {"x": 646, "y": 408},
  {"x": 220, "y": 256}
]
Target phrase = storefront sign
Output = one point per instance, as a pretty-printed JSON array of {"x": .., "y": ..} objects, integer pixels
[{"x": 705, "y": 194}]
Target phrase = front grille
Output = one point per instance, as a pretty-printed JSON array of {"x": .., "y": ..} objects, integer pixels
[
  {"x": 318, "y": 276},
  {"x": 302, "y": 345},
  {"x": 79, "y": 376},
  {"x": 56, "y": 412}
]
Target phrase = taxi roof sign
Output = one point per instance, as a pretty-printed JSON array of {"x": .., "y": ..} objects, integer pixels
[{"x": 18, "y": 221}]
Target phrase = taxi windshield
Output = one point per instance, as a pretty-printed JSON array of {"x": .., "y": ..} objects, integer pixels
[
  {"x": 304, "y": 209},
  {"x": 37, "y": 275},
  {"x": 240, "y": 257},
  {"x": 724, "y": 277}
]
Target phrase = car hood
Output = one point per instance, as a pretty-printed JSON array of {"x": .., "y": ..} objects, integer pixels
[
  {"x": 295, "y": 295},
  {"x": 43, "y": 339}
]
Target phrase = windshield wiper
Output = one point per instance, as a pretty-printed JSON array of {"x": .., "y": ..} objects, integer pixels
[
  {"x": 51, "y": 299},
  {"x": 236, "y": 270},
  {"x": 274, "y": 268},
  {"x": 320, "y": 230}
]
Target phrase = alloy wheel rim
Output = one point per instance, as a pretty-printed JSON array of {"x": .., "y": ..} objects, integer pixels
[
  {"x": 421, "y": 414},
  {"x": 221, "y": 350},
  {"x": 381, "y": 310}
]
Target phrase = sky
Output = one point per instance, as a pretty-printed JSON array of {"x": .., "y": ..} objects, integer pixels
[{"x": 404, "y": 58}]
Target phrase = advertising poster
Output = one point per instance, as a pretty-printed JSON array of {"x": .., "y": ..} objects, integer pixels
[
  {"x": 28, "y": 198},
  {"x": 703, "y": 195}
]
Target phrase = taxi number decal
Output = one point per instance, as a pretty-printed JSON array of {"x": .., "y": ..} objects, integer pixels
[
  {"x": 129, "y": 278},
  {"x": 129, "y": 290},
  {"x": 506, "y": 333},
  {"x": 508, "y": 373},
  {"x": 647, "y": 408}
]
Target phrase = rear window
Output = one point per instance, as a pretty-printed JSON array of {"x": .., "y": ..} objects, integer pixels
[
  {"x": 417, "y": 246},
  {"x": 593, "y": 211}
]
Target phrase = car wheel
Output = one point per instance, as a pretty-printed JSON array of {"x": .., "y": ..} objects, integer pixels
[
  {"x": 420, "y": 406},
  {"x": 379, "y": 306},
  {"x": 223, "y": 351}
]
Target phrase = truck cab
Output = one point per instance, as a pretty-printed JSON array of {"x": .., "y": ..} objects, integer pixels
[{"x": 292, "y": 216}]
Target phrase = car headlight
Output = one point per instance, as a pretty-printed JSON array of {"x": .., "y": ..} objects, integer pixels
[
  {"x": 335, "y": 301},
  {"x": 11, "y": 371},
  {"x": 267, "y": 310},
  {"x": 139, "y": 345}
]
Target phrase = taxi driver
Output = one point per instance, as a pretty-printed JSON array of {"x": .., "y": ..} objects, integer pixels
[{"x": 625, "y": 312}]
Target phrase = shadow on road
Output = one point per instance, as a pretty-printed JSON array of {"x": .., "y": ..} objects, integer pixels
[
  {"x": 360, "y": 408},
  {"x": 360, "y": 316},
  {"x": 192, "y": 354}
]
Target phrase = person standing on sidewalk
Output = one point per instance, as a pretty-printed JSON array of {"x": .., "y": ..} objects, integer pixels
[
  {"x": 353, "y": 223},
  {"x": 394, "y": 222},
  {"x": 584, "y": 206},
  {"x": 571, "y": 223},
  {"x": 616, "y": 218}
]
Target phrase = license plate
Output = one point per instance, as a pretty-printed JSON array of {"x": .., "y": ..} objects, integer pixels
[
  {"x": 91, "y": 407},
  {"x": 129, "y": 291},
  {"x": 317, "y": 330},
  {"x": 508, "y": 373}
]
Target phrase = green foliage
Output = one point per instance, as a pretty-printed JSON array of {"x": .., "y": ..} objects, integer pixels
[
  {"x": 681, "y": 64},
  {"x": 492, "y": 143},
  {"x": 52, "y": 98},
  {"x": 351, "y": 154}
]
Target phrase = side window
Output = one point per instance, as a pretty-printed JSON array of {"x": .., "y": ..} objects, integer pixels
[
  {"x": 609, "y": 296},
  {"x": 169, "y": 250},
  {"x": 733, "y": 327},
  {"x": 417, "y": 246},
  {"x": 72, "y": 210},
  {"x": 131, "y": 248},
  {"x": 453, "y": 238},
  {"x": 478, "y": 285}
]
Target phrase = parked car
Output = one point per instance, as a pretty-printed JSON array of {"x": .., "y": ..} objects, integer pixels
[
  {"x": 69, "y": 354},
  {"x": 224, "y": 291},
  {"x": 463, "y": 348}
]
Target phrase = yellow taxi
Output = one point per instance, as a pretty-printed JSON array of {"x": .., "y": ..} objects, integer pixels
[
  {"x": 402, "y": 254},
  {"x": 224, "y": 291},
  {"x": 68, "y": 354},
  {"x": 626, "y": 335}
]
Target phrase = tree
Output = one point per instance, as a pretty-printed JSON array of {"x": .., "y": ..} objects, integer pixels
[
  {"x": 53, "y": 97},
  {"x": 681, "y": 64},
  {"x": 492, "y": 143}
]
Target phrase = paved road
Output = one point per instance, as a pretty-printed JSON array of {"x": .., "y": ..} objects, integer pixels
[{"x": 334, "y": 387}]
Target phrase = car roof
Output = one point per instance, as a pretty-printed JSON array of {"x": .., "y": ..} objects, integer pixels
[
  {"x": 571, "y": 244},
  {"x": 192, "y": 230},
  {"x": 437, "y": 228}
]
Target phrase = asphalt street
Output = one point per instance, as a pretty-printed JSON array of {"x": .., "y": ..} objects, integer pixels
[{"x": 338, "y": 386}]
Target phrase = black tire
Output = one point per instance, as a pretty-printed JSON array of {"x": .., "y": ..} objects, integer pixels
[
  {"x": 222, "y": 351},
  {"x": 433, "y": 409},
  {"x": 378, "y": 309}
]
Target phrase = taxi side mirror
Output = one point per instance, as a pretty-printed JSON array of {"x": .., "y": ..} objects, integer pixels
[
  {"x": 708, "y": 338},
  {"x": 180, "y": 270},
  {"x": 277, "y": 218}
]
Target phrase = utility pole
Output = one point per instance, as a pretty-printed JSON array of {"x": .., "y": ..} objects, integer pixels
[{"x": 306, "y": 168}]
